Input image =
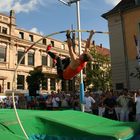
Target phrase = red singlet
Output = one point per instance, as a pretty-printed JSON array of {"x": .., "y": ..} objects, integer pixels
[{"x": 70, "y": 73}]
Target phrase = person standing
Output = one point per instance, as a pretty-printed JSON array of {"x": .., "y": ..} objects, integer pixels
[
  {"x": 89, "y": 101},
  {"x": 123, "y": 101},
  {"x": 137, "y": 101},
  {"x": 110, "y": 104}
]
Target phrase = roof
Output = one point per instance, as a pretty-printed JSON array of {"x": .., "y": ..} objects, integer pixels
[
  {"x": 123, "y": 5},
  {"x": 103, "y": 51}
]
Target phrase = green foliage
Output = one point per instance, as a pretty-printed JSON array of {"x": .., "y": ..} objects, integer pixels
[
  {"x": 35, "y": 78},
  {"x": 98, "y": 73}
]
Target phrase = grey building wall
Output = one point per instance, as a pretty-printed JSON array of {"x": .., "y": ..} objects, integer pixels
[{"x": 118, "y": 61}]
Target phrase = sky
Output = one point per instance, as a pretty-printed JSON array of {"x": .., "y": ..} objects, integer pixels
[{"x": 48, "y": 16}]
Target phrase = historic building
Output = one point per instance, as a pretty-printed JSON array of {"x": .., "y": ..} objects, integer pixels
[
  {"x": 124, "y": 23},
  {"x": 14, "y": 42}
]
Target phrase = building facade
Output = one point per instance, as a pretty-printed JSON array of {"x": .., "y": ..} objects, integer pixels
[
  {"x": 14, "y": 42},
  {"x": 124, "y": 23}
]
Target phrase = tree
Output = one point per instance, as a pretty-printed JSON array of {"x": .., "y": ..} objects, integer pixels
[
  {"x": 34, "y": 80},
  {"x": 98, "y": 73}
]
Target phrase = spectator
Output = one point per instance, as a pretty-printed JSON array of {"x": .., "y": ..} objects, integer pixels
[
  {"x": 137, "y": 101},
  {"x": 55, "y": 102},
  {"x": 49, "y": 102},
  {"x": 110, "y": 104},
  {"x": 101, "y": 107},
  {"x": 89, "y": 101},
  {"x": 123, "y": 101}
]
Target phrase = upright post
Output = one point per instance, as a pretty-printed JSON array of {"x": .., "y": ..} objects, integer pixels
[{"x": 80, "y": 51}]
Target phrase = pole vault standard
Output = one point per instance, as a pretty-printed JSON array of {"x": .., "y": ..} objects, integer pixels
[
  {"x": 79, "y": 44},
  {"x": 15, "y": 71},
  {"x": 80, "y": 51}
]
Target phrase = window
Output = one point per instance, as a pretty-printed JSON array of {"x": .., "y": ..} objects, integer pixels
[
  {"x": 20, "y": 81},
  {"x": 52, "y": 84},
  {"x": 44, "y": 60},
  {"x": 45, "y": 84},
  {"x": 95, "y": 66},
  {"x": 2, "y": 54},
  {"x": 20, "y": 54},
  {"x": 31, "y": 59},
  {"x": 63, "y": 85},
  {"x": 8, "y": 85},
  {"x": 63, "y": 46},
  {"x": 44, "y": 41},
  {"x": 119, "y": 86},
  {"x": 31, "y": 38},
  {"x": 52, "y": 64},
  {"x": 4, "y": 30},
  {"x": 21, "y": 35},
  {"x": 52, "y": 43}
]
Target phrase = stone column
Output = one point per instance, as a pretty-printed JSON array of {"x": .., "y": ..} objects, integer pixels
[{"x": 49, "y": 84}]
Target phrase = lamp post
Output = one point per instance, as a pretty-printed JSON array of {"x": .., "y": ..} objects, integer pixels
[{"x": 79, "y": 43}]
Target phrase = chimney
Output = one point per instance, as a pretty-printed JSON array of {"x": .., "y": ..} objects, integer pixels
[
  {"x": 12, "y": 13},
  {"x": 12, "y": 22},
  {"x": 101, "y": 46},
  {"x": 12, "y": 17}
]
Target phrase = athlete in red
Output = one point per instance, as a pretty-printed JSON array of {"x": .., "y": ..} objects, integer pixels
[{"x": 69, "y": 67}]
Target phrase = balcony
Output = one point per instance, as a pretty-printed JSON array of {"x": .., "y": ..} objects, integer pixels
[{"x": 47, "y": 70}]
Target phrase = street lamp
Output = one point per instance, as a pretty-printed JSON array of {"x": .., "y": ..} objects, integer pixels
[{"x": 68, "y": 3}]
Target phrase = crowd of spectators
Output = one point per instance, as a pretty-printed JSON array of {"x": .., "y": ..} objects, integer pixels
[{"x": 123, "y": 105}]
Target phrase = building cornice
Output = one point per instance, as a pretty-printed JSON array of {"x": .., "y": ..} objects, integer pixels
[{"x": 122, "y": 6}]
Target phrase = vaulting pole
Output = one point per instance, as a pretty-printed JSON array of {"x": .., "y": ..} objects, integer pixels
[{"x": 15, "y": 72}]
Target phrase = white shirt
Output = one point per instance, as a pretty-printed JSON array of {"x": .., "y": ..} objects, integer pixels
[
  {"x": 55, "y": 101},
  {"x": 137, "y": 100},
  {"x": 88, "y": 103}
]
